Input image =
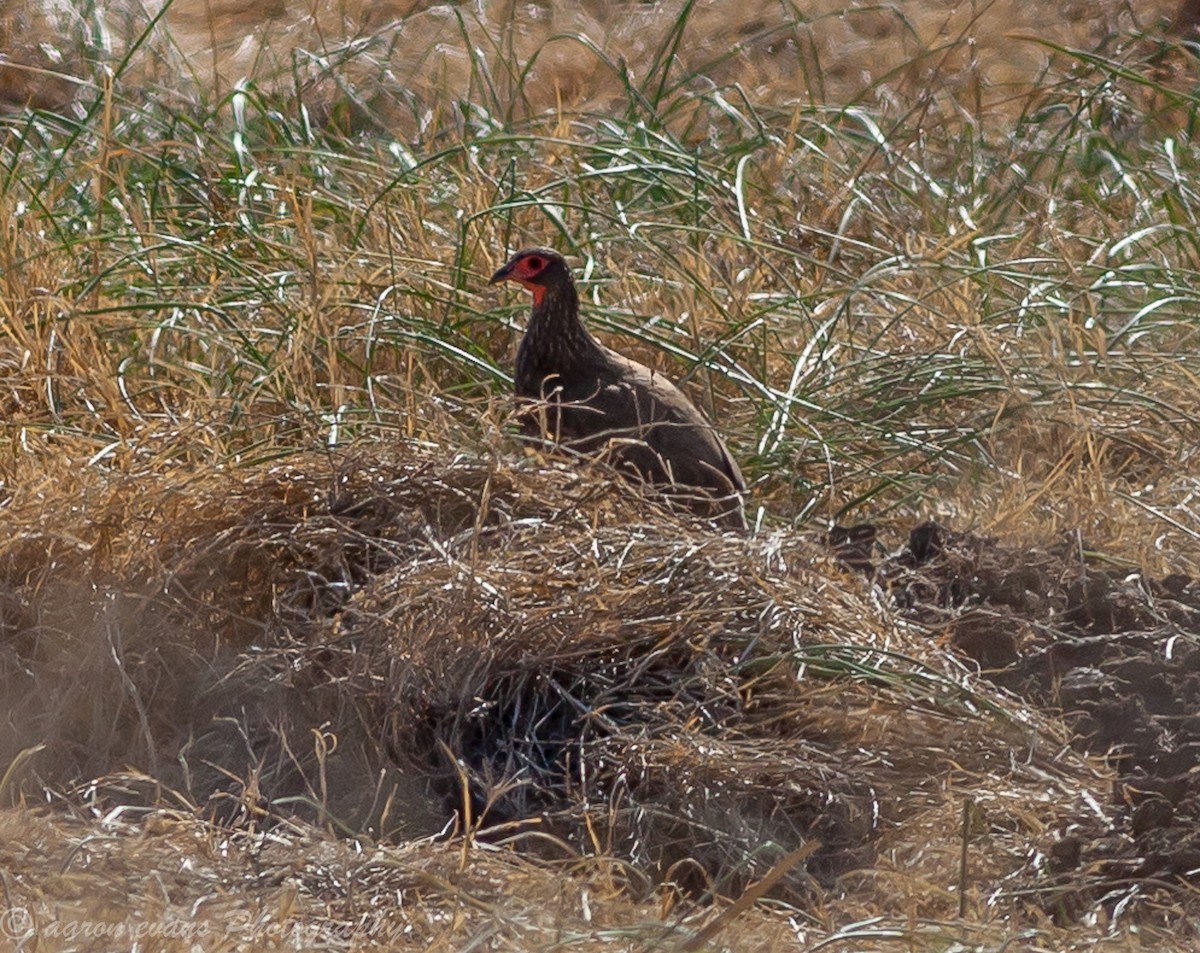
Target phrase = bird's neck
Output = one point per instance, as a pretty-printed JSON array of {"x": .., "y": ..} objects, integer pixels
[{"x": 556, "y": 342}]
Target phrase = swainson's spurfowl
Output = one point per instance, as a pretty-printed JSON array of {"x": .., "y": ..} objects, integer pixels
[{"x": 592, "y": 400}]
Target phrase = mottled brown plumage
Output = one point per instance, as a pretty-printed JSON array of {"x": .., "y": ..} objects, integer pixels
[{"x": 593, "y": 400}]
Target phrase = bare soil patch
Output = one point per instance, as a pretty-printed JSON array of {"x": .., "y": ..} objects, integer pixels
[{"x": 1113, "y": 649}]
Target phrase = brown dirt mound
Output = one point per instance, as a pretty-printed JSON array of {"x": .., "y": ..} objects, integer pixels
[
  {"x": 37, "y": 58},
  {"x": 1117, "y": 652}
]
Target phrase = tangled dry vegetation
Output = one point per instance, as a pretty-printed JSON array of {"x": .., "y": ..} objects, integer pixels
[
  {"x": 299, "y": 645},
  {"x": 380, "y": 645}
]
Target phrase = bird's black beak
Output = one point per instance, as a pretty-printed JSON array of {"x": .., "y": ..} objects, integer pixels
[{"x": 501, "y": 275}]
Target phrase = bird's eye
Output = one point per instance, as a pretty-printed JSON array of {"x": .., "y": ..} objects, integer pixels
[{"x": 535, "y": 264}]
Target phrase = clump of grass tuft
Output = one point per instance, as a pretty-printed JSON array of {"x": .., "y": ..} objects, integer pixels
[{"x": 878, "y": 307}]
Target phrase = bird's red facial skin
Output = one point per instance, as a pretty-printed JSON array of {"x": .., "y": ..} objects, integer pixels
[
  {"x": 529, "y": 268},
  {"x": 526, "y": 272}
]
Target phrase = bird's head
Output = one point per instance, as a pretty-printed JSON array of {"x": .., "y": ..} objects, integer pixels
[{"x": 538, "y": 269}]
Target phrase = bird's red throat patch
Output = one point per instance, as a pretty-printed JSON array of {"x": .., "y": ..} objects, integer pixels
[{"x": 538, "y": 291}]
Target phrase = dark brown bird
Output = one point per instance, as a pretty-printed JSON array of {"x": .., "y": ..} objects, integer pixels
[{"x": 592, "y": 400}]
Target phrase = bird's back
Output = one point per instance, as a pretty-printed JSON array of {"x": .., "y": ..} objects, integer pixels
[{"x": 640, "y": 418}]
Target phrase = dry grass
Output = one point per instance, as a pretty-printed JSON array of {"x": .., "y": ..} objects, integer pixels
[
  {"x": 566, "y": 644},
  {"x": 883, "y": 313},
  {"x": 299, "y": 886},
  {"x": 607, "y": 710},
  {"x": 282, "y": 598},
  {"x": 541, "y": 57}
]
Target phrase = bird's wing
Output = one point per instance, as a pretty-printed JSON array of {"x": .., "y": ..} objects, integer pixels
[{"x": 672, "y": 425}]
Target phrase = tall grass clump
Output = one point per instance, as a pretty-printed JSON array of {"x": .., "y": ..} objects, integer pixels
[{"x": 887, "y": 308}]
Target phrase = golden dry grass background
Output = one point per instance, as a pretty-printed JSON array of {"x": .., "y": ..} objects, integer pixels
[
  {"x": 820, "y": 52},
  {"x": 838, "y": 52},
  {"x": 224, "y": 413}
]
